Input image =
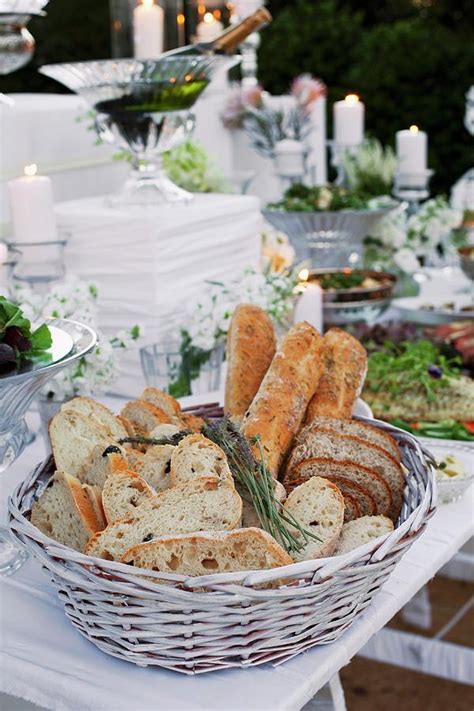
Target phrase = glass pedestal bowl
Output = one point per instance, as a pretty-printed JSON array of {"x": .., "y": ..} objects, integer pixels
[{"x": 143, "y": 107}]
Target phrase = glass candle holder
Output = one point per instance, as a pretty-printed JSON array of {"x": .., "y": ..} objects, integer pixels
[
  {"x": 162, "y": 20},
  {"x": 36, "y": 264},
  {"x": 17, "y": 44}
]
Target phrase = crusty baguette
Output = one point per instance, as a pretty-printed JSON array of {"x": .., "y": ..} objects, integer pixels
[
  {"x": 155, "y": 466},
  {"x": 205, "y": 553},
  {"x": 197, "y": 456},
  {"x": 66, "y": 512},
  {"x": 123, "y": 494},
  {"x": 363, "y": 530},
  {"x": 101, "y": 462},
  {"x": 280, "y": 404},
  {"x": 201, "y": 504},
  {"x": 251, "y": 345},
  {"x": 345, "y": 367},
  {"x": 144, "y": 416},
  {"x": 98, "y": 412},
  {"x": 160, "y": 399},
  {"x": 73, "y": 437},
  {"x": 318, "y": 506}
]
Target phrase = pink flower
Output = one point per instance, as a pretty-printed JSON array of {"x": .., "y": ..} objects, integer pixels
[
  {"x": 306, "y": 90},
  {"x": 237, "y": 104}
]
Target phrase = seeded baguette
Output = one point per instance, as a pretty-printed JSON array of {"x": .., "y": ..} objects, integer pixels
[
  {"x": 280, "y": 404},
  {"x": 357, "y": 533},
  {"x": 371, "y": 434},
  {"x": 318, "y": 506},
  {"x": 123, "y": 493},
  {"x": 197, "y": 456},
  {"x": 73, "y": 437},
  {"x": 200, "y": 505},
  {"x": 205, "y": 553},
  {"x": 251, "y": 345},
  {"x": 345, "y": 366},
  {"x": 66, "y": 512},
  {"x": 99, "y": 413},
  {"x": 160, "y": 399}
]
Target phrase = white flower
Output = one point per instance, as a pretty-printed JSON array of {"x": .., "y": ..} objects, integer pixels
[
  {"x": 406, "y": 260},
  {"x": 324, "y": 199}
]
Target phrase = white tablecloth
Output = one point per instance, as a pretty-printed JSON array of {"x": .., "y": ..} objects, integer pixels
[{"x": 44, "y": 660}]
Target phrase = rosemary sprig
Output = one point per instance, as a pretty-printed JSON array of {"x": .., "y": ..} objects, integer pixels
[
  {"x": 174, "y": 439},
  {"x": 257, "y": 480}
]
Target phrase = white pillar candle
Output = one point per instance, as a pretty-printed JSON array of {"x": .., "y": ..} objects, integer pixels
[
  {"x": 309, "y": 306},
  {"x": 348, "y": 118},
  {"x": 148, "y": 30},
  {"x": 412, "y": 150},
  {"x": 289, "y": 158},
  {"x": 32, "y": 207},
  {"x": 243, "y": 8},
  {"x": 209, "y": 28}
]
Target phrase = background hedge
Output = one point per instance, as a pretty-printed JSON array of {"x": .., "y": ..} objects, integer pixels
[{"x": 410, "y": 60}]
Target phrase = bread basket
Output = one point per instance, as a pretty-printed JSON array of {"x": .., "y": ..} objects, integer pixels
[{"x": 196, "y": 625}]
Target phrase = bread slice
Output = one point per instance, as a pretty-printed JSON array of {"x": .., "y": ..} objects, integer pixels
[
  {"x": 366, "y": 503},
  {"x": 73, "y": 437},
  {"x": 197, "y": 456},
  {"x": 192, "y": 422},
  {"x": 199, "y": 505},
  {"x": 363, "y": 530},
  {"x": 352, "y": 509},
  {"x": 135, "y": 458},
  {"x": 66, "y": 512},
  {"x": 317, "y": 505},
  {"x": 101, "y": 462},
  {"x": 160, "y": 399},
  {"x": 251, "y": 345},
  {"x": 371, "y": 481},
  {"x": 346, "y": 448},
  {"x": 95, "y": 497},
  {"x": 155, "y": 466},
  {"x": 250, "y": 518},
  {"x": 165, "y": 431},
  {"x": 123, "y": 494},
  {"x": 99, "y": 413},
  {"x": 206, "y": 553},
  {"x": 144, "y": 416},
  {"x": 344, "y": 368},
  {"x": 373, "y": 435}
]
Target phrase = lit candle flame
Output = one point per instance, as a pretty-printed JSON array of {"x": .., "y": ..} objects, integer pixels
[
  {"x": 148, "y": 3},
  {"x": 414, "y": 129},
  {"x": 209, "y": 18},
  {"x": 180, "y": 18},
  {"x": 31, "y": 170},
  {"x": 303, "y": 275},
  {"x": 352, "y": 99}
]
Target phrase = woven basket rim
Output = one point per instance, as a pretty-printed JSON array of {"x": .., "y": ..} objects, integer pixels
[{"x": 367, "y": 555}]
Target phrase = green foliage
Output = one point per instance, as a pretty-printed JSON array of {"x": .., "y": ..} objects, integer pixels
[{"x": 371, "y": 170}]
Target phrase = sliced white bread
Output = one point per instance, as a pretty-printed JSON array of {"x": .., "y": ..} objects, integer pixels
[
  {"x": 371, "y": 481},
  {"x": 369, "y": 433},
  {"x": 205, "y": 553},
  {"x": 155, "y": 466},
  {"x": 318, "y": 506},
  {"x": 250, "y": 517},
  {"x": 101, "y": 462},
  {"x": 95, "y": 497},
  {"x": 123, "y": 494},
  {"x": 135, "y": 459},
  {"x": 357, "y": 533},
  {"x": 165, "y": 431},
  {"x": 144, "y": 416},
  {"x": 99, "y": 413},
  {"x": 66, "y": 512},
  {"x": 197, "y": 456},
  {"x": 346, "y": 448},
  {"x": 73, "y": 437},
  {"x": 160, "y": 399},
  {"x": 199, "y": 505}
]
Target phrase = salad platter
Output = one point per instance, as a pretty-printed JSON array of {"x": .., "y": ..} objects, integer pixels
[{"x": 433, "y": 310}]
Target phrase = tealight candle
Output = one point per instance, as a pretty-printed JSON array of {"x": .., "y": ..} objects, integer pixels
[
  {"x": 148, "y": 29},
  {"x": 348, "y": 116},
  {"x": 209, "y": 28},
  {"x": 32, "y": 207},
  {"x": 412, "y": 151}
]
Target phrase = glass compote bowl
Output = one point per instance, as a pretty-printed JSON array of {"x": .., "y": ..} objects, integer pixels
[
  {"x": 144, "y": 108},
  {"x": 71, "y": 342}
]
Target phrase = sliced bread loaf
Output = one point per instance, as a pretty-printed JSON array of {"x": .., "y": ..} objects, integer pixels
[
  {"x": 95, "y": 497},
  {"x": 101, "y": 462},
  {"x": 191, "y": 422},
  {"x": 366, "y": 502},
  {"x": 199, "y": 505},
  {"x": 250, "y": 517},
  {"x": 73, "y": 437},
  {"x": 352, "y": 509},
  {"x": 98, "y": 412},
  {"x": 162, "y": 400},
  {"x": 155, "y": 466},
  {"x": 165, "y": 431},
  {"x": 197, "y": 456},
  {"x": 317, "y": 505},
  {"x": 67, "y": 512},
  {"x": 205, "y": 553},
  {"x": 123, "y": 494},
  {"x": 363, "y": 530},
  {"x": 144, "y": 416},
  {"x": 369, "y": 433}
]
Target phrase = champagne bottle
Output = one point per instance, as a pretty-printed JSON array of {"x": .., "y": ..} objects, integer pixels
[{"x": 228, "y": 41}]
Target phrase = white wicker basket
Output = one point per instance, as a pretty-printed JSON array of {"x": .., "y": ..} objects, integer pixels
[{"x": 195, "y": 625}]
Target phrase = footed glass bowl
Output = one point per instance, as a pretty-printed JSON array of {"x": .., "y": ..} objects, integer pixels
[{"x": 143, "y": 107}]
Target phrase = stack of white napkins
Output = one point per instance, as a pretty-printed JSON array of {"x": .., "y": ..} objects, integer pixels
[{"x": 150, "y": 266}]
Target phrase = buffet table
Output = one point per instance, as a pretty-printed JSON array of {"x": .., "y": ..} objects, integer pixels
[{"x": 44, "y": 659}]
